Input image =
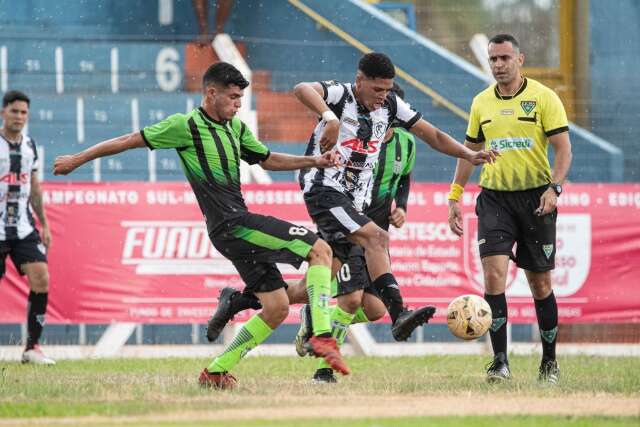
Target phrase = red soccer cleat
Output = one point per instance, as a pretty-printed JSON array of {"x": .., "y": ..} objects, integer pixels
[
  {"x": 217, "y": 380},
  {"x": 327, "y": 347}
]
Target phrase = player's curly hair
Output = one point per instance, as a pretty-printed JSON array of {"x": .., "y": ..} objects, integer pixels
[
  {"x": 377, "y": 65},
  {"x": 224, "y": 74}
]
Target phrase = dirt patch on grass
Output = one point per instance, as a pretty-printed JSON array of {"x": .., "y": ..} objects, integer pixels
[{"x": 367, "y": 406}]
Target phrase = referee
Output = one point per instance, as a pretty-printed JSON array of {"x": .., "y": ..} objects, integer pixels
[{"x": 519, "y": 117}]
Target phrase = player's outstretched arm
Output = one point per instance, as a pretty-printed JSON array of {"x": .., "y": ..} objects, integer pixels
[
  {"x": 287, "y": 162},
  {"x": 442, "y": 142},
  {"x": 64, "y": 165}
]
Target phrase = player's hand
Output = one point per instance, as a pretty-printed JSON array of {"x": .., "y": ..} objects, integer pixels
[
  {"x": 398, "y": 217},
  {"x": 64, "y": 165},
  {"x": 329, "y": 159},
  {"x": 46, "y": 236},
  {"x": 548, "y": 202},
  {"x": 329, "y": 136},
  {"x": 455, "y": 218},
  {"x": 483, "y": 156}
]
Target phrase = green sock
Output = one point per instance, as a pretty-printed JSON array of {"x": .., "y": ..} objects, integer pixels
[
  {"x": 319, "y": 289},
  {"x": 250, "y": 335},
  {"x": 334, "y": 287},
  {"x": 340, "y": 321},
  {"x": 360, "y": 317}
]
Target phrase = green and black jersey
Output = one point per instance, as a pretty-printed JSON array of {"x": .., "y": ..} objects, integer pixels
[
  {"x": 210, "y": 154},
  {"x": 392, "y": 176}
]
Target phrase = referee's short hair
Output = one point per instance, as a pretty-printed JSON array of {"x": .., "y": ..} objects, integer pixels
[
  {"x": 224, "y": 74},
  {"x": 377, "y": 65},
  {"x": 501, "y": 38},
  {"x": 13, "y": 96}
]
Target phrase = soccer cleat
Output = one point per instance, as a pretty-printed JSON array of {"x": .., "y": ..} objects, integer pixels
[
  {"x": 549, "y": 372},
  {"x": 409, "y": 320},
  {"x": 223, "y": 313},
  {"x": 327, "y": 348},
  {"x": 324, "y": 376},
  {"x": 498, "y": 370},
  {"x": 217, "y": 380},
  {"x": 304, "y": 333},
  {"x": 37, "y": 357}
]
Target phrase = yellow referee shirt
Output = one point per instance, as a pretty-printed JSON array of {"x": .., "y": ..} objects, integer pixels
[{"x": 518, "y": 127}]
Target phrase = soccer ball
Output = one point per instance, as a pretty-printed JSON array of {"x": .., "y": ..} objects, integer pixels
[{"x": 469, "y": 317}]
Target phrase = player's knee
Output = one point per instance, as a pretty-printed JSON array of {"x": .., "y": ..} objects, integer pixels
[
  {"x": 494, "y": 280},
  {"x": 275, "y": 314},
  {"x": 320, "y": 253},
  {"x": 378, "y": 241},
  {"x": 540, "y": 289},
  {"x": 350, "y": 302},
  {"x": 39, "y": 282}
]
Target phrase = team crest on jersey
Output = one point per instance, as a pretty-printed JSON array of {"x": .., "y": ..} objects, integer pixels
[
  {"x": 528, "y": 106},
  {"x": 379, "y": 130}
]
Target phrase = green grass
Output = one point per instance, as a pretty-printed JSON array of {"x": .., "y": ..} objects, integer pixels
[{"x": 143, "y": 388}]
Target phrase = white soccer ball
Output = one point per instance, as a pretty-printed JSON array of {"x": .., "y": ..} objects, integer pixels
[{"x": 469, "y": 317}]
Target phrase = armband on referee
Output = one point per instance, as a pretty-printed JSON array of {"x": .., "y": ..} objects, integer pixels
[{"x": 455, "y": 192}]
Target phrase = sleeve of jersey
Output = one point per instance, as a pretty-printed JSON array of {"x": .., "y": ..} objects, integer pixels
[
  {"x": 252, "y": 151},
  {"x": 332, "y": 92},
  {"x": 411, "y": 160},
  {"x": 36, "y": 159},
  {"x": 474, "y": 131},
  {"x": 405, "y": 115},
  {"x": 402, "y": 195},
  {"x": 172, "y": 132},
  {"x": 554, "y": 118}
]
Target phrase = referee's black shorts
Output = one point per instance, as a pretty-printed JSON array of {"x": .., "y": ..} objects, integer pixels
[{"x": 507, "y": 217}]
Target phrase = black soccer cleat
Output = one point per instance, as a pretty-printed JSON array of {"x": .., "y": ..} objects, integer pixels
[
  {"x": 223, "y": 314},
  {"x": 324, "y": 376},
  {"x": 549, "y": 372},
  {"x": 409, "y": 320},
  {"x": 498, "y": 369}
]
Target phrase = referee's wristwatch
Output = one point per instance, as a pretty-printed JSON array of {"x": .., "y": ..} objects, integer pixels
[{"x": 557, "y": 188}]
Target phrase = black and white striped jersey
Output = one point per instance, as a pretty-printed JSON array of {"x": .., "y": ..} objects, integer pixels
[
  {"x": 17, "y": 162},
  {"x": 361, "y": 134}
]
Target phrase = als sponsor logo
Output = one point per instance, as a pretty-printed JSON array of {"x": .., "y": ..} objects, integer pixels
[
  {"x": 14, "y": 178},
  {"x": 358, "y": 146}
]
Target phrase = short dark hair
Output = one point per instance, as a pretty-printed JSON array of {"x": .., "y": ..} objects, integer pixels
[
  {"x": 501, "y": 38},
  {"x": 224, "y": 74},
  {"x": 397, "y": 89},
  {"x": 13, "y": 96},
  {"x": 377, "y": 65}
]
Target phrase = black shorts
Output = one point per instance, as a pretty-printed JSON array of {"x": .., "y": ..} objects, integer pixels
[
  {"x": 507, "y": 217},
  {"x": 255, "y": 243},
  {"x": 333, "y": 213},
  {"x": 22, "y": 251},
  {"x": 353, "y": 274}
]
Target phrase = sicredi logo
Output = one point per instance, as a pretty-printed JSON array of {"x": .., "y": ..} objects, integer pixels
[{"x": 508, "y": 144}]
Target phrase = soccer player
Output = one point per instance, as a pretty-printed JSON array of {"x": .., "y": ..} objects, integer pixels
[
  {"x": 355, "y": 119},
  {"x": 210, "y": 142},
  {"x": 19, "y": 237},
  {"x": 520, "y": 117},
  {"x": 391, "y": 184}
]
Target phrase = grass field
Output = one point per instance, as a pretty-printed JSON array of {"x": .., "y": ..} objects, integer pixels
[{"x": 442, "y": 391}]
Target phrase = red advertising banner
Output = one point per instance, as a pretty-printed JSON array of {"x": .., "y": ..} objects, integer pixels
[{"x": 140, "y": 252}]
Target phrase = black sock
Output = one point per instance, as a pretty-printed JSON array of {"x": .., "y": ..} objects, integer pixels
[
  {"x": 390, "y": 293},
  {"x": 547, "y": 313},
  {"x": 498, "y": 329},
  {"x": 241, "y": 302},
  {"x": 36, "y": 309}
]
